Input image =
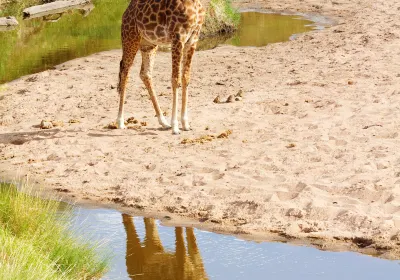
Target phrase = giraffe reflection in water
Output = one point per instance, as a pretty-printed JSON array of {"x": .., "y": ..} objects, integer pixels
[{"x": 149, "y": 260}]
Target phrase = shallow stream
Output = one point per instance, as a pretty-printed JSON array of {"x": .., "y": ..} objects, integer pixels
[{"x": 144, "y": 249}]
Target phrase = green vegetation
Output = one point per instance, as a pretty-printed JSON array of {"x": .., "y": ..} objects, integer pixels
[
  {"x": 15, "y": 7},
  {"x": 37, "y": 244},
  {"x": 221, "y": 18}
]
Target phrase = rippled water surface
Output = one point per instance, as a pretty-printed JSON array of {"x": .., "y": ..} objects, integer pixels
[{"x": 143, "y": 249}]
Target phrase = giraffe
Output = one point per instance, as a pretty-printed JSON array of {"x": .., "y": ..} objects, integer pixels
[{"x": 147, "y": 24}]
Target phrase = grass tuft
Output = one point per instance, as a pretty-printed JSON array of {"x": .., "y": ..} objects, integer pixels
[
  {"x": 36, "y": 241},
  {"x": 221, "y": 17}
]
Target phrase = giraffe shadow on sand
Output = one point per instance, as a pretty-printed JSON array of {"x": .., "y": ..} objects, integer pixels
[
  {"x": 149, "y": 260},
  {"x": 20, "y": 138}
]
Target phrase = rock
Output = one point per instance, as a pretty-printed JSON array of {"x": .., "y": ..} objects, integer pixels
[
  {"x": 230, "y": 99},
  {"x": 239, "y": 94},
  {"x": 291, "y": 145},
  {"x": 238, "y": 99},
  {"x": 8, "y": 23},
  {"x": 225, "y": 134},
  {"x": 217, "y": 99},
  {"x": 46, "y": 124}
]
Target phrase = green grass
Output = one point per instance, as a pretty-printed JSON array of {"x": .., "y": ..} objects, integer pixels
[
  {"x": 15, "y": 7},
  {"x": 221, "y": 17},
  {"x": 36, "y": 242}
]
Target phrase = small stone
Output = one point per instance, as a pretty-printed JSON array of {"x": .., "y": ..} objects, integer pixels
[
  {"x": 225, "y": 134},
  {"x": 291, "y": 145},
  {"x": 143, "y": 123},
  {"x": 230, "y": 99},
  {"x": 238, "y": 99},
  {"x": 217, "y": 99},
  {"x": 74, "y": 121},
  {"x": 46, "y": 124},
  {"x": 57, "y": 123},
  {"x": 239, "y": 94}
]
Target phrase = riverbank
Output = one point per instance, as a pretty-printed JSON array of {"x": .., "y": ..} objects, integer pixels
[
  {"x": 36, "y": 242},
  {"x": 313, "y": 149}
]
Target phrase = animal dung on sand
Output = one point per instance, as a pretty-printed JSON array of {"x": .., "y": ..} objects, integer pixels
[{"x": 207, "y": 138}]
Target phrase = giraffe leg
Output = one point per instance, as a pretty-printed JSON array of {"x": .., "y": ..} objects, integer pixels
[
  {"x": 148, "y": 54},
  {"x": 187, "y": 62},
  {"x": 130, "y": 46},
  {"x": 177, "y": 51}
]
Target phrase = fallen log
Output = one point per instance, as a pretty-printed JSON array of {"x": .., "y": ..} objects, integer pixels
[
  {"x": 55, "y": 8},
  {"x": 8, "y": 23}
]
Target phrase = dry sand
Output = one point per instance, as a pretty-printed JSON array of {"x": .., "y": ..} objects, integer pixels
[{"x": 314, "y": 152}]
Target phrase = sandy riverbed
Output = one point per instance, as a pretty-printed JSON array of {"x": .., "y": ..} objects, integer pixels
[{"x": 314, "y": 151}]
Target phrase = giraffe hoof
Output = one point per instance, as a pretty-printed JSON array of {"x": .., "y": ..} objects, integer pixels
[
  {"x": 186, "y": 127},
  {"x": 175, "y": 130},
  {"x": 164, "y": 123},
  {"x": 175, "y": 126},
  {"x": 120, "y": 124}
]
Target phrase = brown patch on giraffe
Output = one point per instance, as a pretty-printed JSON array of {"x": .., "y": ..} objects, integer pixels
[
  {"x": 161, "y": 19},
  {"x": 155, "y": 8},
  {"x": 151, "y": 26}
]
